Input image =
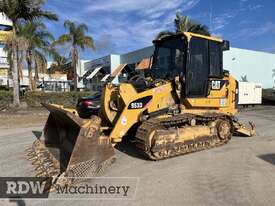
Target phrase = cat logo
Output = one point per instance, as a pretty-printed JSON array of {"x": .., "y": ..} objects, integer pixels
[{"x": 216, "y": 85}]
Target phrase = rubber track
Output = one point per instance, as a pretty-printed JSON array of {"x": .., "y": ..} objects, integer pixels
[{"x": 168, "y": 150}]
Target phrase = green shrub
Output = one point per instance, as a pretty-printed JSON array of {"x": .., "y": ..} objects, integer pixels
[
  {"x": 5, "y": 99},
  {"x": 68, "y": 99}
]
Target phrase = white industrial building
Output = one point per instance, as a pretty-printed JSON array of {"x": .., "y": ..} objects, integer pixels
[{"x": 256, "y": 66}]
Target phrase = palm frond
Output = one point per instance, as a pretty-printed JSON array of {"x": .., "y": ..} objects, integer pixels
[
  {"x": 82, "y": 27},
  {"x": 45, "y": 14},
  {"x": 69, "y": 25},
  {"x": 244, "y": 78},
  {"x": 63, "y": 39},
  {"x": 34, "y": 35},
  {"x": 184, "y": 24},
  {"x": 199, "y": 29},
  {"x": 28, "y": 10},
  {"x": 164, "y": 34},
  {"x": 41, "y": 62},
  {"x": 76, "y": 36},
  {"x": 88, "y": 42}
]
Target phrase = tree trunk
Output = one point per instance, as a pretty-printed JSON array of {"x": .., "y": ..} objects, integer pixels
[
  {"x": 74, "y": 64},
  {"x": 16, "y": 100},
  {"x": 29, "y": 62},
  {"x": 36, "y": 74},
  {"x": 20, "y": 67}
]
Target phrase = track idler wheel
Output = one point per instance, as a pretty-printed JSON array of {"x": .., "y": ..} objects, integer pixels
[{"x": 224, "y": 129}]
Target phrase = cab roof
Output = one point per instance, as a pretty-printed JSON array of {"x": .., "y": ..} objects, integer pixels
[{"x": 189, "y": 35}]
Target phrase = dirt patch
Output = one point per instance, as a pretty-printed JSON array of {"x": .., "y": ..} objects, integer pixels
[{"x": 23, "y": 117}]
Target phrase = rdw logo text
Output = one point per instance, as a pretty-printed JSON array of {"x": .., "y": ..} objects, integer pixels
[{"x": 25, "y": 187}]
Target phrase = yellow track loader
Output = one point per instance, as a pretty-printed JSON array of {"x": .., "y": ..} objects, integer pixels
[{"x": 184, "y": 103}]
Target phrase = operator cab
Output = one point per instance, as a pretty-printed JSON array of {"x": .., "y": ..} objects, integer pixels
[
  {"x": 169, "y": 57},
  {"x": 194, "y": 61}
]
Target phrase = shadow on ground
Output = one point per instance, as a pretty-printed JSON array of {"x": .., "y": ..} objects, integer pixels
[
  {"x": 270, "y": 158},
  {"x": 128, "y": 147},
  {"x": 19, "y": 202},
  {"x": 37, "y": 134}
]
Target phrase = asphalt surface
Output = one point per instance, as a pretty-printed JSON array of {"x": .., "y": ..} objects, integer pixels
[{"x": 241, "y": 172}]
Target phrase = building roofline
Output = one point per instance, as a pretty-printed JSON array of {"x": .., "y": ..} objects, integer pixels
[{"x": 250, "y": 50}]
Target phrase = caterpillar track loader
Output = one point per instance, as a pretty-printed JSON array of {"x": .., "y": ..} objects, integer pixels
[{"x": 184, "y": 103}]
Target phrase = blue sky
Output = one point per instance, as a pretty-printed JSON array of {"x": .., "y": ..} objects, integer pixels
[{"x": 120, "y": 26}]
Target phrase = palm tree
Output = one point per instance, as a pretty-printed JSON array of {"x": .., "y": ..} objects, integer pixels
[
  {"x": 37, "y": 43},
  {"x": 77, "y": 38},
  {"x": 17, "y": 10},
  {"x": 244, "y": 78},
  {"x": 58, "y": 62},
  {"x": 185, "y": 24}
]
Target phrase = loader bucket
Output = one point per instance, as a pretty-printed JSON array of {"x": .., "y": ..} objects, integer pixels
[{"x": 72, "y": 146}]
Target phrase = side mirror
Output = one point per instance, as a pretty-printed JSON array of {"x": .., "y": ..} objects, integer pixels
[{"x": 226, "y": 45}]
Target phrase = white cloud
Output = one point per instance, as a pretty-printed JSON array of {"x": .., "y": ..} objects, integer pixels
[
  {"x": 255, "y": 7},
  {"x": 267, "y": 28},
  {"x": 221, "y": 21},
  {"x": 119, "y": 26},
  {"x": 134, "y": 24},
  {"x": 142, "y": 6},
  {"x": 219, "y": 35}
]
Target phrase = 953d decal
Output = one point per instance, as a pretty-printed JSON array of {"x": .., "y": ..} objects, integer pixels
[{"x": 140, "y": 103}]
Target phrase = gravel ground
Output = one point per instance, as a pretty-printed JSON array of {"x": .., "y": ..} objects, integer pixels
[{"x": 239, "y": 173}]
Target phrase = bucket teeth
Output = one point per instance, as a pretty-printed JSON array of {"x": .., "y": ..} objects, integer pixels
[
  {"x": 49, "y": 165},
  {"x": 36, "y": 143},
  {"x": 30, "y": 154},
  {"x": 41, "y": 159},
  {"x": 40, "y": 174},
  {"x": 47, "y": 162},
  {"x": 36, "y": 162},
  {"x": 41, "y": 151},
  {"x": 32, "y": 158},
  {"x": 38, "y": 168},
  {"x": 53, "y": 173},
  {"x": 29, "y": 150}
]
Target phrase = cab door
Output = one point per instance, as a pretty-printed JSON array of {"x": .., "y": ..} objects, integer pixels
[{"x": 197, "y": 68}]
